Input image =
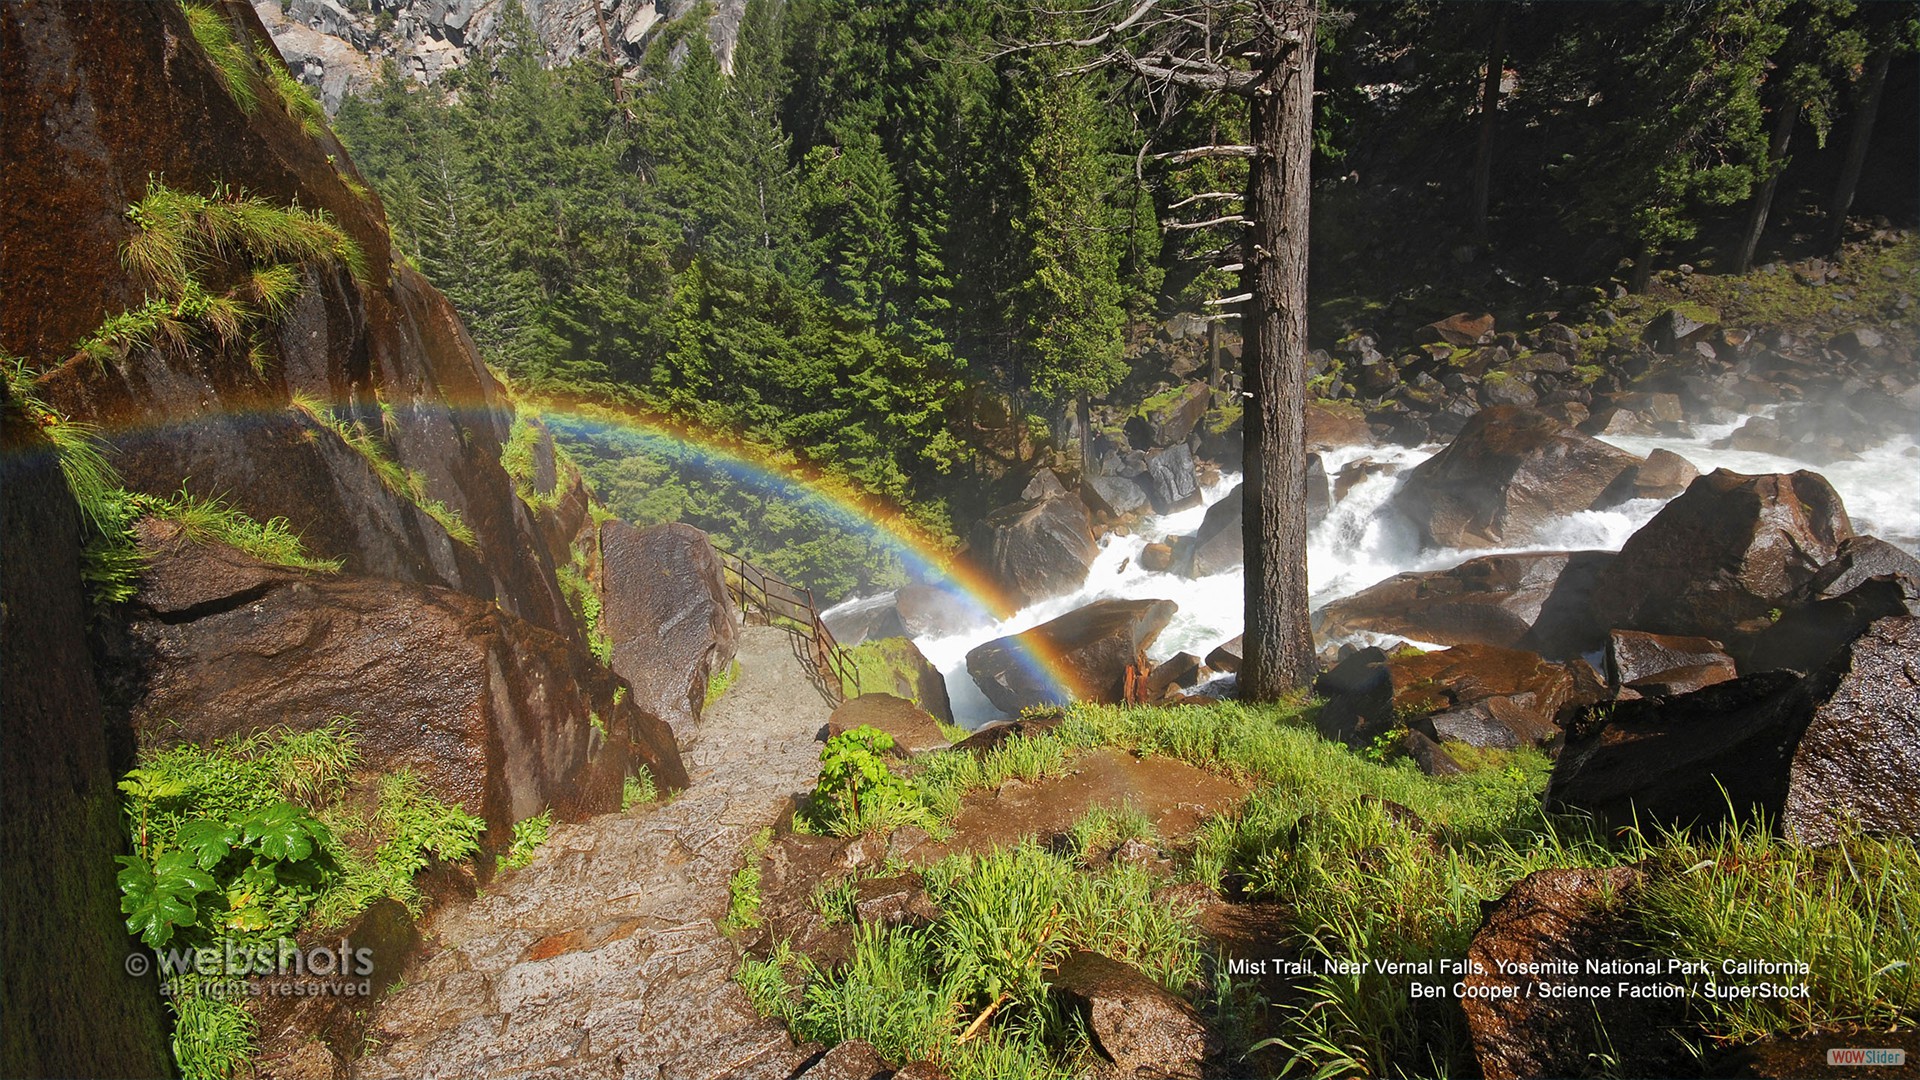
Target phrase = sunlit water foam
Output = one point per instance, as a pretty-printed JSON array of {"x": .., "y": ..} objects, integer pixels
[{"x": 1363, "y": 541}]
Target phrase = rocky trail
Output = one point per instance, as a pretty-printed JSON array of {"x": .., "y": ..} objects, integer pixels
[{"x": 603, "y": 958}]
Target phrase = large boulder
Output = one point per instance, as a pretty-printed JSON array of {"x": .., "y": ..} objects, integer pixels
[
  {"x": 1510, "y": 473},
  {"x": 1170, "y": 418},
  {"x": 897, "y": 666},
  {"x": 1035, "y": 549},
  {"x": 1371, "y": 692},
  {"x": 1809, "y": 752},
  {"x": 1716, "y": 561},
  {"x": 913, "y": 729},
  {"x": 1565, "y": 916},
  {"x": 1528, "y": 600},
  {"x": 1170, "y": 480},
  {"x": 1115, "y": 498},
  {"x": 1219, "y": 544},
  {"x": 1663, "y": 475},
  {"x": 1142, "y": 1028},
  {"x": 1083, "y": 655},
  {"x": 1663, "y": 664},
  {"x": 666, "y": 612},
  {"x": 869, "y": 619},
  {"x": 493, "y": 713}
]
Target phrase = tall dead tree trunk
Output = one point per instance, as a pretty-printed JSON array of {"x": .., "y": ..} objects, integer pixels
[
  {"x": 1783, "y": 122},
  {"x": 1279, "y": 639},
  {"x": 1489, "y": 112},
  {"x": 1858, "y": 139}
]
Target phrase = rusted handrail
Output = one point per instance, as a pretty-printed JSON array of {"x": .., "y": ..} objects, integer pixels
[{"x": 769, "y": 601}]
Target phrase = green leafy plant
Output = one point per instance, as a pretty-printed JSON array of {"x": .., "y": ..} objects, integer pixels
[
  {"x": 856, "y": 788},
  {"x": 743, "y": 889},
  {"x": 638, "y": 789},
  {"x": 528, "y": 835}
]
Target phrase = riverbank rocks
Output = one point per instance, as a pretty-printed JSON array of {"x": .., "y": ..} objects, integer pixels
[
  {"x": 1659, "y": 664},
  {"x": 1555, "y": 917},
  {"x": 1035, "y": 548},
  {"x": 1716, "y": 561},
  {"x": 665, "y": 609},
  {"x": 1528, "y": 600},
  {"x": 1171, "y": 482},
  {"x": 1228, "y": 655},
  {"x": 1135, "y": 1023},
  {"x": 1370, "y": 692},
  {"x": 1663, "y": 475},
  {"x": 493, "y": 713},
  {"x": 1510, "y": 473},
  {"x": 1842, "y": 742},
  {"x": 913, "y": 729},
  {"x": 1091, "y": 648},
  {"x": 1218, "y": 545},
  {"x": 896, "y": 666},
  {"x": 1169, "y": 418}
]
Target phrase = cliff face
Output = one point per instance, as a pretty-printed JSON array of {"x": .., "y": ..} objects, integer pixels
[
  {"x": 361, "y": 414},
  {"x": 67, "y": 1005},
  {"x": 338, "y": 48}
]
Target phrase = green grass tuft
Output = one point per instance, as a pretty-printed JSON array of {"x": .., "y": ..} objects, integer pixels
[
  {"x": 215, "y": 38},
  {"x": 743, "y": 889},
  {"x": 293, "y": 95},
  {"x": 638, "y": 790},
  {"x": 721, "y": 682},
  {"x": 213, "y": 519}
]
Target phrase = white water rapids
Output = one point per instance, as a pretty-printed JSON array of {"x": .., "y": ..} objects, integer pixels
[{"x": 1363, "y": 541}]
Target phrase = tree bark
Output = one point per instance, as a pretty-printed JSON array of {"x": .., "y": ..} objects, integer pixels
[
  {"x": 1783, "y": 122},
  {"x": 1858, "y": 139},
  {"x": 1279, "y": 640},
  {"x": 1489, "y": 110}
]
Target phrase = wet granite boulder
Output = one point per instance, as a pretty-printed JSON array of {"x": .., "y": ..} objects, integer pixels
[
  {"x": 1134, "y": 1022},
  {"x": 1664, "y": 475},
  {"x": 1090, "y": 649},
  {"x": 1527, "y": 600},
  {"x": 913, "y": 729},
  {"x": 1370, "y": 692},
  {"x": 1565, "y": 916},
  {"x": 1716, "y": 561},
  {"x": 1035, "y": 549},
  {"x": 1228, "y": 655},
  {"x": 1842, "y": 742},
  {"x": 1658, "y": 664},
  {"x": 1115, "y": 498},
  {"x": 493, "y": 713},
  {"x": 1170, "y": 480},
  {"x": 855, "y": 1059},
  {"x": 1219, "y": 543},
  {"x": 1165, "y": 422},
  {"x": 1509, "y": 474},
  {"x": 665, "y": 610},
  {"x": 897, "y": 666}
]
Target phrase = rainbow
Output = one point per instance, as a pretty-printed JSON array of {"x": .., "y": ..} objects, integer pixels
[{"x": 926, "y": 555}]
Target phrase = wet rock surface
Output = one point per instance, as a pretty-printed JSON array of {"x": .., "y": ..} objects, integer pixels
[
  {"x": 603, "y": 958},
  {"x": 666, "y": 611},
  {"x": 1663, "y": 664},
  {"x": 1035, "y": 548},
  {"x": 1145, "y": 1031},
  {"x": 1715, "y": 561},
  {"x": 1843, "y": 741},
  {"x": 1529, "y": 600},
  {"x": 1091, "y": 648},
  {"x": 1370, "y": 692},
  {"x": 912, "y": 728},
  {"x": 1509, "y": 473},
  {"x": 1560, "y": 916},
  {"x": 490, "y": 711}
]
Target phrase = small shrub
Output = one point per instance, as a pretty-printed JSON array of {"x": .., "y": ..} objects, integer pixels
[
  {"x": 638, "y": 790},
  {"x": 857, "y": 792},
  {"x": 743, "y": 889},
  {"x": 528, "y": 835}
]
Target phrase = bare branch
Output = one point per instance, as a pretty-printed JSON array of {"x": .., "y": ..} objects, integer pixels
[
  {"x": 1197, "y": 153},
  {"x": 1171, "y": 225},
  {"x": 1202, "y": 197},
  {"x": 1139, "y": 12},
  {"x": 1231, "y": 268},
  {"x": 1237, "y": 298}
]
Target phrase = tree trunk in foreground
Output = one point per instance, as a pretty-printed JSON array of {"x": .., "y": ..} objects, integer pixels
[
  {"x": 1279, "y": 639},
  {"x": 1489, "y": 113}
]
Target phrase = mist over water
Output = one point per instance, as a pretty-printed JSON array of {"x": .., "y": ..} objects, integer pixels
[{"x": 1363, "y": 541}]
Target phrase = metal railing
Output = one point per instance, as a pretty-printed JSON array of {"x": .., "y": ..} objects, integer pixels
[{"x": 766, "y": 600}]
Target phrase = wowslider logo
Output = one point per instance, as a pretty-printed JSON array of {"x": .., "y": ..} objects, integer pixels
[{"x": 1851, "y": 1056}]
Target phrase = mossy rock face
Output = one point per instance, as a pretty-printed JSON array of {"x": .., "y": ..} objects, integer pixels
[{"x": 896, "y": 666}]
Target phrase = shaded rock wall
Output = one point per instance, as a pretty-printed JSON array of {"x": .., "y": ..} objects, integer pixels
[{"x": 67, "y": 1007}]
